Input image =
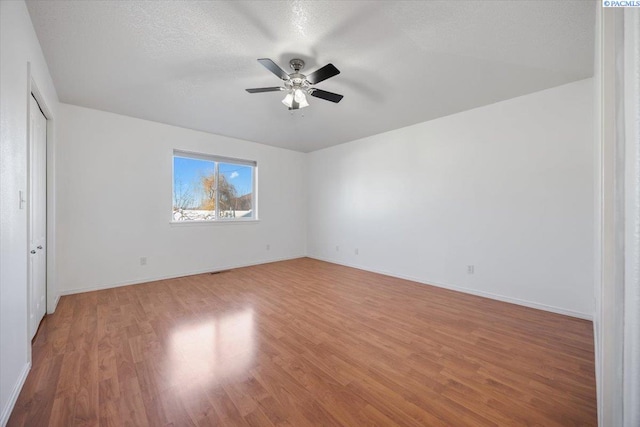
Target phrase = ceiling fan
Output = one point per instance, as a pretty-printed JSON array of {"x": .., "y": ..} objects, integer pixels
[{"x": 297, "y": 85}]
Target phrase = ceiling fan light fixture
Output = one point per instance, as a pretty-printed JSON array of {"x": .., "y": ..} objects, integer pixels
[
  {"x": 298, "y": 96},
  {"x": 298, "y": 85},
  {"x": 288, "y": 100}
]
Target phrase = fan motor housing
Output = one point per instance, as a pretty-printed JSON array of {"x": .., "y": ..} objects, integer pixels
[{"x": 296, "y": 64}]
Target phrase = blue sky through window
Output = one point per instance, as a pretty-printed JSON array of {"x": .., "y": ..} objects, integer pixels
[
  {"x": 188, "y": 172},
  {"x": 238, "y": 175}
]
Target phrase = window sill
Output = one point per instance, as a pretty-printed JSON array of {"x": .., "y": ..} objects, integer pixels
[{"x": 213, "y": 222}]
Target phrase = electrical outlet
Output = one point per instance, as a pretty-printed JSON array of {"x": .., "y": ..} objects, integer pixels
[
  {"x": 143, "y": 260},
  {"x": 470, "y": 269},
  {"x": 337, "y": 248},
  {"x": 268, "y": 247},
  {"x": 356, "y": 251}
]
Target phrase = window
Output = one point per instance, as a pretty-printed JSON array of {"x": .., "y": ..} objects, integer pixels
[{"x": 210, "y": 188}]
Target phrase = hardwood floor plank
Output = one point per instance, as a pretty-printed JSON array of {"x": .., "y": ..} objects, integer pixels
[
  {"x": 304, "y": 343},
  {"x": 109, "y": 415},
  {"x": 131, "y": 404},
  {"x": 63, "y": 411}
]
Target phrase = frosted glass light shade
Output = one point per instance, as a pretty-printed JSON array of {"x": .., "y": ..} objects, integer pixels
[
  {"x": 288, "y": 100},
  {"x": 299, "y": 97}
]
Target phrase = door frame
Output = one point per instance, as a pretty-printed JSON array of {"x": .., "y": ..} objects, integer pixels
[
  {"x": 51, "y": 295},
  {"x": 617, "y": 244}
]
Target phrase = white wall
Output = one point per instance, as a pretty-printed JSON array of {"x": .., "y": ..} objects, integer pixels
[
  {"x": 507, "y": 188},
  {"x": 114, "y": 195},
  {"x": 18, "y": 45}
]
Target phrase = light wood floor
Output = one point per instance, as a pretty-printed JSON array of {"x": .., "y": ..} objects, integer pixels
[{"x": 302, "y": 343}]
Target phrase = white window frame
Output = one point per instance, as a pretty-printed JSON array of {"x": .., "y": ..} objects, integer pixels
[{"x": 217, "y": 159}]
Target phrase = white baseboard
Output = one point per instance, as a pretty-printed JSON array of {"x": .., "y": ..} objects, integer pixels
[
  {"x": 13, "y": 397},
  {"x": 512, "y": 300},
  {"x": 525, "y": 303},
  {"x": 172, "y": 276},
  {"x": 55, "y": 305}
]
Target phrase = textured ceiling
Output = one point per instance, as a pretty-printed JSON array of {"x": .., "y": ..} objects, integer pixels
[{"x": 401, "y": 62}]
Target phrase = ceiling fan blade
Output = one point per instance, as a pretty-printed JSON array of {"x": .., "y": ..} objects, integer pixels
[
  {"x": 274, "y": 68},
  {"x": 323, "y": 94},
  {"x": 265, "y": 89},
  {"x": 323, "y": 73}
]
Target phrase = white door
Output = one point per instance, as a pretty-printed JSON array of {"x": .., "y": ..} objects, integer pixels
[{"x": 37, "y": 215}]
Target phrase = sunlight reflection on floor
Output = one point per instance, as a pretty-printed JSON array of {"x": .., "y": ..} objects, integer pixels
[{"x": 204, "y": 353}]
